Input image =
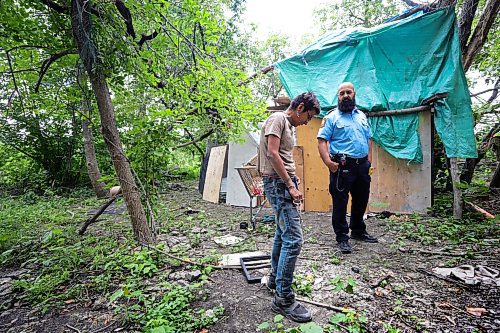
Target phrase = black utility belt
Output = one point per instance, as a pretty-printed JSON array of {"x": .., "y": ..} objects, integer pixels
[{"x": 344, "y": 159}]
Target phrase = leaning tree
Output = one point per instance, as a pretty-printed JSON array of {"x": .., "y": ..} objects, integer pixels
[{"x": 169, "y": 71}]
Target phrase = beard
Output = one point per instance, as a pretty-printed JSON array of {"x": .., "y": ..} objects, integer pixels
[{"x": 347, "y": 105}]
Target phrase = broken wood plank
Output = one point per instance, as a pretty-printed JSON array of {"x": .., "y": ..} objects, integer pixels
[{"x": 213, "y": 177}]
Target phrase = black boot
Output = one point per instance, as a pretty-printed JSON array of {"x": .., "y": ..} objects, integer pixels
[
  {"x": 345, "y": 247},
  {"x": 364, "y": 237},
  {"x": 290, "y": 308}
]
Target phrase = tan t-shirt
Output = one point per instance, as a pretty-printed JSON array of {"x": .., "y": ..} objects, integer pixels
[{"x": 277, "y": 124}]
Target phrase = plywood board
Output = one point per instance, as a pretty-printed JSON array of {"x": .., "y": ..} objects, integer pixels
[
  {"x": 238, "y": 154},
  {"x": 316, "y": 175},
  {"x": 213, "y": 177},
  {"x": 398, "y": 186}
]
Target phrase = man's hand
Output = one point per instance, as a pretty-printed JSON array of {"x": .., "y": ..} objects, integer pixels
[
  {"x": 296, "y": 195},
  {"x": 333, "y": 166}
]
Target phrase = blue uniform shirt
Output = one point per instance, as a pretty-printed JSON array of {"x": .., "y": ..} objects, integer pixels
[{"x": 347, "y": 133}]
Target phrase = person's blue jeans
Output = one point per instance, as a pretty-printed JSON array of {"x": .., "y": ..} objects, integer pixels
[{"x": 288, "y": 237}]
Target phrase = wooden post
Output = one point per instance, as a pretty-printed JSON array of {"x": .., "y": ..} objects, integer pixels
[{"x": 457, "y": 192}]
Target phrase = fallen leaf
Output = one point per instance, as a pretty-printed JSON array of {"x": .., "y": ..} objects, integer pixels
[
  {"x": 69, "y": 301},
  {"x": 476, "y": 311}
]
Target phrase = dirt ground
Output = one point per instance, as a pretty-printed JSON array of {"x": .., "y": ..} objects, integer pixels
[{"x": 395, "y": 283}]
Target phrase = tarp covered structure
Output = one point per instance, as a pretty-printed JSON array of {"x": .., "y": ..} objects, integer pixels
[{"x": 393, "y": 66}]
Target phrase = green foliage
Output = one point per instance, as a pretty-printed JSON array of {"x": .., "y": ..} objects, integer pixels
[
  {"x": 354, "y": 321},
  {"x": 350, "y": 13},
  {"x": 335, "y": 260},
  {"x": 341, "y": 283},
  {"x": 167, "y": 91},
  {"x": 471, "y": 230},
  {"x": 277, "y": 327},
  {"x": 389, "y": 329},
  {"x": 38, "y": 233},
  {"x": 303, "y": 284},
  {"x": 170, "y": 313}
]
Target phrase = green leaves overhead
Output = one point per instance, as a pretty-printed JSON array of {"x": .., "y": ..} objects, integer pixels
[{"x": 173, "y": 69}]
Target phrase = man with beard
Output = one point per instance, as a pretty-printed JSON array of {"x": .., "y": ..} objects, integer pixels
[
  {"x": 344, "y": 143},
  {"x": 277, "y": 167}
]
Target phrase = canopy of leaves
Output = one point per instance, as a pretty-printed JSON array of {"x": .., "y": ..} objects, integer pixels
[{"x": 173, "y": 67}]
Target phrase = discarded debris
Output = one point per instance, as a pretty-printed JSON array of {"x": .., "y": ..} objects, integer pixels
[
  {"x": 470, "y": 274},
  {"x": 233, "y": 260},
  {"x": 227, "y": 240},
  {"x": 478, "y": 209},
  {"x": 476, "y": 311}
]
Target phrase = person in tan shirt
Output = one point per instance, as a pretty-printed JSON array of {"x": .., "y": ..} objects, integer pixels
[{"x": 277, "y": 167}]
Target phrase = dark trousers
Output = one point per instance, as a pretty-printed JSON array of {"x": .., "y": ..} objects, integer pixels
[{"x": 351, "y": 178}]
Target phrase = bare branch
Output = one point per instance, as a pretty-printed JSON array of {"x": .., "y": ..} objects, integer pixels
[
  {"x": 480, "y": 34},
  {"x": 254, "y": 75},
  {"x": 127, "y": 17},
  {"x": 64, "y": 9},
  {"x": 47, "y": 62},
  {"x": 14, "y": 80},
  {"x": 495, "y": 92},
  {"x": 444, "y": 3},
  {"x": 55, "y": 6},
  {"x": 411, "y": 12},
  {"x": 411, "y": 3},
  {"x": 483, "y": 92},
  {"x": 194, "y": 143},
  {"x": 204, "y": 136},
  {"x": 145, "y": 38}
]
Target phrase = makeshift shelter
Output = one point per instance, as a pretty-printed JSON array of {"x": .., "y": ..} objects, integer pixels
[
  {"x": 409, "y": 81},
  {"x": 398, "y": 65}
]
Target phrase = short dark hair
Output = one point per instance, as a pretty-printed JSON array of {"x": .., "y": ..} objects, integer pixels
[{"x": 310, "y": 102}]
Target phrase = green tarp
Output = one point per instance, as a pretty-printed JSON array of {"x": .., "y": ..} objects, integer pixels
[{"x": 393, "y": 66}]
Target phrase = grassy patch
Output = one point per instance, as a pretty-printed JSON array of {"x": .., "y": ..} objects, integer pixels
[
  {"x": 39, "y": 234},
  {"x": 472, "y": 229}
]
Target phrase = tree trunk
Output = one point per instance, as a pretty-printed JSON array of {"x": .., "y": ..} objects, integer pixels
[
  {"x": 471, "y": 163},
  {"x": 81, "y": 26},
  {"x": 480, "y": 33},
  {"x": 465, "y": 23},
  {"x": 495, "y": 180},
  {"x": 90, "y": 158},
  {"x": 457, "y": 193}
]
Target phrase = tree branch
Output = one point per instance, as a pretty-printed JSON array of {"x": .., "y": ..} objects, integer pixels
[
  {"x": 483, "y": 92},
  {"x": 194, "y": 144},
  {"x": 55, "y": 6},
  {"x": 444, "y": 3},
  {"x": 480, "y": 34},
  {"x": 127, "y": 17},
  {"x": 254, "y": 75},
  {"x": 64, "y": 9},
  {"x": 204, "y": 136},
  {"x": 14, "y": 80},
  {"x": 465, "y": 23},
  {"x": 47, "y": 62},
  {"x": 495, "y": 91},
  {"x": 145, "y": 38},
  {"x": 411, "y": 3}
]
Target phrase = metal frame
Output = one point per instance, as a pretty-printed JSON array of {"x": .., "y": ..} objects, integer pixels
[{"x": 255, "y": 189}]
